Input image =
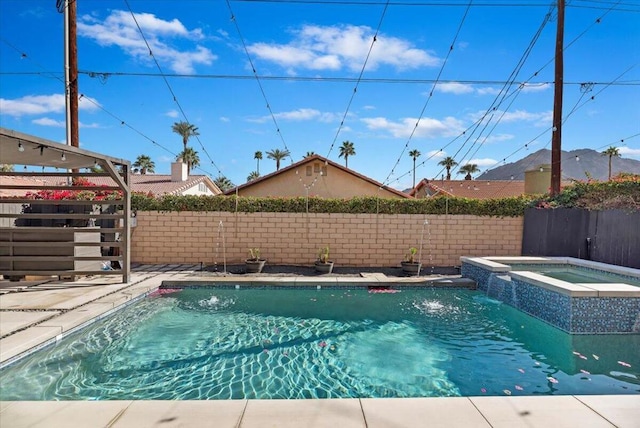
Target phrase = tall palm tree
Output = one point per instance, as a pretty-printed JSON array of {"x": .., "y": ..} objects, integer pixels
[
  {"x": 277, "y": 155},
  {"x": 253, "y": 175},
  {"x": 144, "y": 164},
  {"x": 190, "y": 157},
  {"x": 258, "y": 156},
  {"x": 611, "y": 152},
  {"x": 346, "y": 150},
  {"x": 223, "y": 183},
  {"x": 415, "y": 154},
  {"x": 470, "y": 168},
  {"x": 186, "y": 130},
  {"x": 448, "y": 163}
]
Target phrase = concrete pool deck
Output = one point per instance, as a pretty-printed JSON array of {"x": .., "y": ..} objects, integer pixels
[{"x": 35, "y": 313}]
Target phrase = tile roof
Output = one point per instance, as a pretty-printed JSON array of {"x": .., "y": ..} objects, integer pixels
[
  {"x": 161, "y": 184},
  {"x": 475, "y": 189}
]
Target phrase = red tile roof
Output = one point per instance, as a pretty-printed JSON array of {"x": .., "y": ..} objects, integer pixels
[{"x": 476, "y": 189}]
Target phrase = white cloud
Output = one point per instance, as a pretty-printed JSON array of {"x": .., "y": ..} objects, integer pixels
[
  {"x": 224, "y": 119},
  {"x": 454, "y": 88},
  {"x": 488, "y": 91},
  {"x": 535, "y": 87},
  {"x": 427, "y": 127},
  {"x": 299, "y": 115},
  {"x": 436, "y": 154},
  {"x": 46, "y": 121},
  {"x": 336, "y": 47},
  {"x": 172, "y": 113},
  {"x": 41, "y": 104},
  {"x": 630, "y": 152},
  {"x": 483, "y": 162},
  {"x": 120, "y": 29},
  {"x": 497, "y": 138},
  {"x": 538, "y": 119}
]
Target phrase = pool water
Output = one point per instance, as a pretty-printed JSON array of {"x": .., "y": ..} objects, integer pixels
[
  {"x": 222, "y": 343},
  {"x": 576, "y": 274}
]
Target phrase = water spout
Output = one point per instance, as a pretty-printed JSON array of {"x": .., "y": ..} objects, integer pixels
[{"x": 221, "y": 239}]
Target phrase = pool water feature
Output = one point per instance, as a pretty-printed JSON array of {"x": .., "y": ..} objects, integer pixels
[
  {"x": 577, "y": 296},
  {"x": 228, "y": 343}
]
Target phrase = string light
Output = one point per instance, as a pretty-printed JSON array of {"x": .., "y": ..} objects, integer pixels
[
  {"x": 63, "y": 158},
  {"x": 20, "y": 146}
]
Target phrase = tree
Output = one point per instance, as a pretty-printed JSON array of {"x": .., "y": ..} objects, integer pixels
[
  {"x": 144, "y": 164},
  {"x": 277, "y": 155},
  {"x": 470, "y": 168},
  {"x": 223, "y": 183},
  {"x": 448, "y": 163},
  {"x": 253, "y": 176},
  {"x": 611, "y": 152},
  {"x": 186, "y": 130},
  {"x": 258, "y": 156},
  {"x": 190, "y": 157},
  {"x": 415, "y": 154},
  {"x": 346, "y": 150}
]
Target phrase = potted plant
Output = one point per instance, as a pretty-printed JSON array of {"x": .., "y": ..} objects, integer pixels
[
  {"x": 323, "y": 264},
  {"x": 409, "y": 264},
  {"x": 254, "y": 263}
]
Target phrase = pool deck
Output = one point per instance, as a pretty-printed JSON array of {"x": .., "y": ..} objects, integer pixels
[{"x": 35, "y": 313}]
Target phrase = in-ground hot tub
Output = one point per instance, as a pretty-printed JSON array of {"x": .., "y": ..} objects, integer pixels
[{"x": 574, "y": 295}]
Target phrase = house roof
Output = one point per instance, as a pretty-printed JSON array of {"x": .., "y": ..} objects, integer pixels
[
  {"x": 310, "y": 159},
  {"x": 476, "y": 189},
  {"x": 161, "y": 184}
]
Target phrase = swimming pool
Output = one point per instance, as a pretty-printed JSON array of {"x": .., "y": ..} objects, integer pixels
[{"x": 227, "y": 343}]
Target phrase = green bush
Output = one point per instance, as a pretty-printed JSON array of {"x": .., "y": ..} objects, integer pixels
[{"x": 506, "y": 207}]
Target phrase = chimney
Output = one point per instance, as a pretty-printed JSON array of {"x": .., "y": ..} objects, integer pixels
[
  {"x": 179, "y": 171},
  {"x": 537, "y": 181}
]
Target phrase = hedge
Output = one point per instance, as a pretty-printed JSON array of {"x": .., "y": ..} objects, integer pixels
[{"x": 505, "y": 207}]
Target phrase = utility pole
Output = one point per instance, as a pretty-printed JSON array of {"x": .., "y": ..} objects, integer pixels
[
  {"x": 556, "y": 130},
  {"x": 71, "y": 71}
]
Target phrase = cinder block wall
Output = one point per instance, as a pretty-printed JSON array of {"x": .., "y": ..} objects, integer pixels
[{"x": 294, "y": 239}]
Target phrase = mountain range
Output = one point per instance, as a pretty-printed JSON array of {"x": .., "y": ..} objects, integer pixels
[{"x": 576, "y": 164}]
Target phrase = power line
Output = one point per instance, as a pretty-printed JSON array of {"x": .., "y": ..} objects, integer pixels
[
  {"x": 255, "y": 74},
  {"x": 424, "y": 107},
  {"x": 355, "y": 89},
  {"x": 175, "y": 98}
]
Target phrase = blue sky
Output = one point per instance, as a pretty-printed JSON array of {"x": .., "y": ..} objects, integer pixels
[{"x": 321, "y": 79}]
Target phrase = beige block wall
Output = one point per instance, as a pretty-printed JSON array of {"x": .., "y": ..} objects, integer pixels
[{"x": 294, "y": 238}]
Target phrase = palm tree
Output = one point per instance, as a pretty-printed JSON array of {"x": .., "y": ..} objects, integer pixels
[
  {"x": 470, "y": 168},
  {"x": 223, "y": 183},
  {"x": 415, "y": 154},
  {"x": 144, "y": 164},
  {"x": 448, "y": 163},
  {"x": 258, "y": 156},
  {"x": 277, "y": 155},
  {"x": 611, "y": 152},
  {"x": 186, "y": 130},
  {"x": 253, "y": 175},
  {"x": 190, "y": 157},
  {"x": 347, "y": 150}
]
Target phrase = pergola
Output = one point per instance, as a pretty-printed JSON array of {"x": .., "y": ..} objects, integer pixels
[{"x": 48, "y": 237}]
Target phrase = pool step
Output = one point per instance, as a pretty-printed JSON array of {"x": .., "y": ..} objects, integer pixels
[{"x": 455, "y": 282}]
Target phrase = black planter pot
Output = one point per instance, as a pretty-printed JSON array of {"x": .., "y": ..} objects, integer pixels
[
  {"x": 324, "y": 267},
  {"x": 254, "y": 266},
  {"x": 411, "y": 268}
]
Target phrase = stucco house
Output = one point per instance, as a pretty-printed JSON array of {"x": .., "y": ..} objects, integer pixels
[{"x": 315, "y": 176}]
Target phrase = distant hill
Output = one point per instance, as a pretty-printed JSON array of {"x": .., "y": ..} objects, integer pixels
[{"x": 590, "y": 161}]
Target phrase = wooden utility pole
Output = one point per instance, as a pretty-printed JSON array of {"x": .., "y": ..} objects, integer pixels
[
  {"x": 556, "y": 131},
  {"x": 74, "y": 138}
]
